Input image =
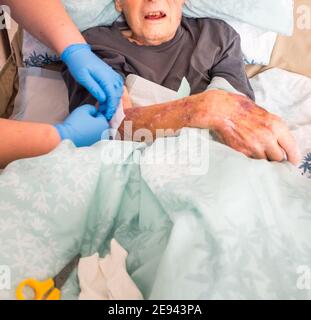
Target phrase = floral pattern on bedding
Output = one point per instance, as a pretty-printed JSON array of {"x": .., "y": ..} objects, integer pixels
[
  {"x": 35, "y": 53},
  {"x": 306, "y": 166},
  {"x": 40, "y": 59},
  {"x": 239, "y": 229}
]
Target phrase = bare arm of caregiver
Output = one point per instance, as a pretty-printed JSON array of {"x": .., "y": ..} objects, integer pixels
[
  {"x": 18, "y": 140},
  {"x": 237, "y": 121},
  {"x": 46, "y": 20},
  {"x": 23, "y": 139}
]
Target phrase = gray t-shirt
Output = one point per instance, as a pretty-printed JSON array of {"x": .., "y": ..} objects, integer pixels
[{"x": 201, "y": 50}]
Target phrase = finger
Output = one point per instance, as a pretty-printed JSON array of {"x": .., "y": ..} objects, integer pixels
[
  {"x": 106, "y": 74},
  {"x": 114, "y": 94},
  {"x": 111, "y": 110},
  {"x": 94, "y": 88},
  {"x": 112, "y": 105},
  {"x": 112, "y": 84},
  {"x": 101, "y": 118},
  {"x": 289, "y": 145},
  {"x": 119, "y": 82},
  {"x": 103, "y": 108},
  {"x": 255, "y": 148},
  {"x": 274, "y": 152},
  {"x": 99, "y": 115},
  {"x": 91, "y": 110}
]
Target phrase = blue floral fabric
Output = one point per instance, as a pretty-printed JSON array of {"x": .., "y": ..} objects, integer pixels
[
  {"x": 306, "y": 165},
  {"x": 40, "y": 59},
  {"x": 199, "y": 220}
]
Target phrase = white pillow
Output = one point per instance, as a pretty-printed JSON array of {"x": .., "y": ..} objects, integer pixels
[{"x": 257, "y": 44}]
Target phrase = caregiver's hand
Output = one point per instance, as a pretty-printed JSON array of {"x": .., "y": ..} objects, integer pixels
[
  {"x": 84, "y": 126},
  {"x": 96, "y": 76},
  {"x": 248, "y": 128}
]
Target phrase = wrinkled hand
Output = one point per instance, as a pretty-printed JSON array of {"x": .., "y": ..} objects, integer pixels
[
  {"x": 96, "y": 76},
  {"x": 241, "y": 124},
  {"x": 84, "y": 126}
]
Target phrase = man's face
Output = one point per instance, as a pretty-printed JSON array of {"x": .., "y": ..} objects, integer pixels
[{"x": 152, "y": 21}]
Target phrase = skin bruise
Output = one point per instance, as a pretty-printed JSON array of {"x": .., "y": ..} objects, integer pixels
[{"x": 245, "y": 104}]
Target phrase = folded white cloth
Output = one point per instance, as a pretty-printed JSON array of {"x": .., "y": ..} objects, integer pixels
[{"x": 106, "y": 278}]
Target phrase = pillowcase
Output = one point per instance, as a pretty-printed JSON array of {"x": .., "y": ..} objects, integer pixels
[
  {"x": 276, "y": 15},
  {"x": 91, "y": 13}
]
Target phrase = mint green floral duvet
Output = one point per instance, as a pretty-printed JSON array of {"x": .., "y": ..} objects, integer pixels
[{"x": 212, "y": 224}]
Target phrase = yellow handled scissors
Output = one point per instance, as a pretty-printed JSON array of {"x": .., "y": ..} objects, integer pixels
[{"x": 49, "y": 289}]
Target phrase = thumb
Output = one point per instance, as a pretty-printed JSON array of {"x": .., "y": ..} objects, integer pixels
[
  {"x": 100, "y": 117},
  {"x": 102, "y": 108},
  {"x": 91, "y": 110}
]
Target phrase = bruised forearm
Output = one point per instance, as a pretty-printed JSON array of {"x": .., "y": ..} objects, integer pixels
[
  {"x": 164, "y": 119},
  {"x": 46, "y": 20},
  {"x": 24, "y": 140}
]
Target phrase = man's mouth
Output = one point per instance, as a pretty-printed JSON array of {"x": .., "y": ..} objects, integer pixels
[{"x": 155, "y": 15}]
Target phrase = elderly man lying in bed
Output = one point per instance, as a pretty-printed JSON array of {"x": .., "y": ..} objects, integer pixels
[{"x": 160, "y": 45}]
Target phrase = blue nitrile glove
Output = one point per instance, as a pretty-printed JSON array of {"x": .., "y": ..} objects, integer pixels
[
  {"x": 96, "y": 76},
  {"x": 84, "y": 126}
]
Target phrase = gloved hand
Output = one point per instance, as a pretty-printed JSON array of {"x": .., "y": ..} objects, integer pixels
[
  {"x": 84, "y": 126},
  {"x": 96, "y": 76}
]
